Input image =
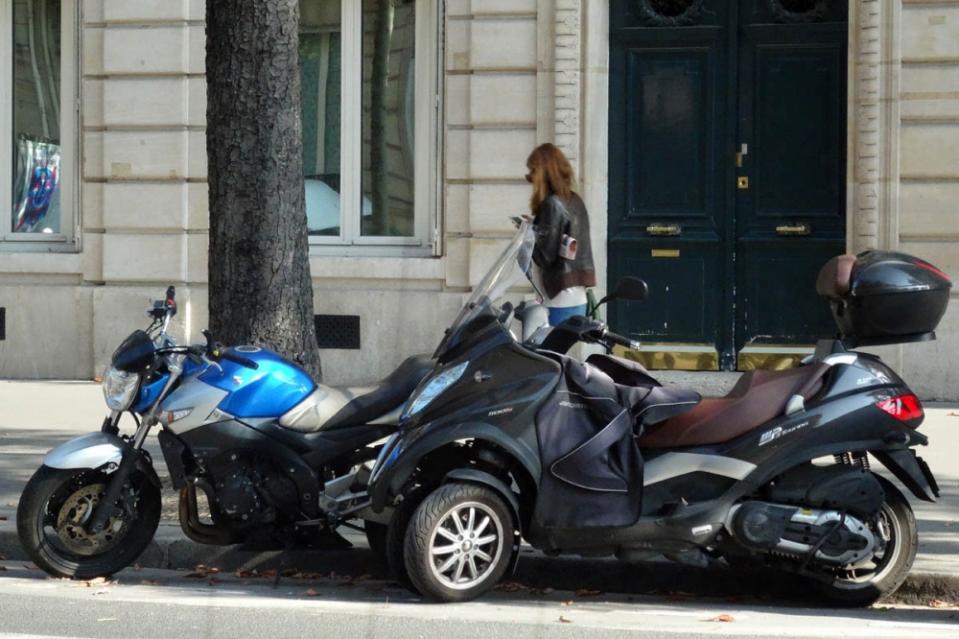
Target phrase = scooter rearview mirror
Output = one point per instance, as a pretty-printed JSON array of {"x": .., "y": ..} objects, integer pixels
[{"x": 628, "y": 288}]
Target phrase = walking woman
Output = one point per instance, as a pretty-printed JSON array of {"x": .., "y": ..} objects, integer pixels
[{"x": 562, "y": 257}]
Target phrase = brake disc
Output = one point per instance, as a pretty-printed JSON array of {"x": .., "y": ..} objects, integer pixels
[{"x": 76, "y": 511}]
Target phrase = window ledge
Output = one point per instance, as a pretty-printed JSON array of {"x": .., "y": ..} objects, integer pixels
[{"x": 377, "y": 268}]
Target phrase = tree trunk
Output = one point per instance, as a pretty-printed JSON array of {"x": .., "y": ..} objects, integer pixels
[{"x": 260, "y": 288}]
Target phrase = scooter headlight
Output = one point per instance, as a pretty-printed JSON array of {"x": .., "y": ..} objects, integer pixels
[
  {"x": 119, "y": 388},
  {"x": 432, "y": 389}
]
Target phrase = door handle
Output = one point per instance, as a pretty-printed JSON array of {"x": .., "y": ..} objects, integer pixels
[
  {"x": 793, "y": 229},
  {"x": 664, "y": 229}
]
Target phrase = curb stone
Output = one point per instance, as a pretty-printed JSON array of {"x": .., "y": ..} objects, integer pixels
[{"x": 171, "y": 551}]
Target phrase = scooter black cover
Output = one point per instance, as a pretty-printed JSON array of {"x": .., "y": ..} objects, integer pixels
[{"x": 594, "y": 470}]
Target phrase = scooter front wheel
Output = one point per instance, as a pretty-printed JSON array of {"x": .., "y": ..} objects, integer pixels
[
  {"x": 459, "y": 542},
  {"x": 55, "y": 507}
]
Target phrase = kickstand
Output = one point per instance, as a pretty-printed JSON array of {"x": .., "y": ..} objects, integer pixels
[{"x": 284, "y": 557}]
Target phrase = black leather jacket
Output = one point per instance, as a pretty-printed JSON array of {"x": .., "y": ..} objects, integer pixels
[{"x": 554, "y": 218}]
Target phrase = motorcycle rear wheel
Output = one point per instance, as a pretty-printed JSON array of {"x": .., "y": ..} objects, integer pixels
[{"x": 54, "y": 508}]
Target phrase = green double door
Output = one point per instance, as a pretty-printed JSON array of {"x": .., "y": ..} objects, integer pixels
[{"x": 727, "y": 170}]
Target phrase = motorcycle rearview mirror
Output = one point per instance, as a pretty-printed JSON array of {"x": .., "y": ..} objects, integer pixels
[{"x": 628, "y": 288}]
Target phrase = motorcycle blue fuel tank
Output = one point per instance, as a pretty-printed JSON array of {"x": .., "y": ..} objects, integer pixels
[{"x": 270, "y": 390}]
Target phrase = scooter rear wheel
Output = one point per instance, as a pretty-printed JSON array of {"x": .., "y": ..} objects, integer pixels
[
  {"x": 53, "y": 511},
  {"x": 459, "y": 542},
  {"x": 896, "y": 523}
]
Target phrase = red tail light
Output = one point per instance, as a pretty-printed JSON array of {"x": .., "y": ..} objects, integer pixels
[{"x": 905, "y": 408}]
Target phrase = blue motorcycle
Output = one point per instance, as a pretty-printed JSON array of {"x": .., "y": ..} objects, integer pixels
[{"x": 282, "y": 461}]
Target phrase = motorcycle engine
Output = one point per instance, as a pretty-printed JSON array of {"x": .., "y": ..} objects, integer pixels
[{"x": 250, "y": 491}]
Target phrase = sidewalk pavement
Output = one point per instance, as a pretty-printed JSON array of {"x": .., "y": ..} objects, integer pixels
[{"x": 37, "y": 416}]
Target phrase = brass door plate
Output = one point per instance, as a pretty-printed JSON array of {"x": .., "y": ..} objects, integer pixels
[
  {"x": 742, "y": 182},
  {"x": 664, "y": 252}
]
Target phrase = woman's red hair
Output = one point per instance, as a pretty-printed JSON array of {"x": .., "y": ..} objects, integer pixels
[{"x": 550, "y": 173}]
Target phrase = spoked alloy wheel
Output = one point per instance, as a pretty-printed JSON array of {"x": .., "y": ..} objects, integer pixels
[
  {"x": 465, "y": 545},
  {"x": 459, "y": 542},
  {"x": 55, "y": 508},
  {"x": 896, "y": 533}
]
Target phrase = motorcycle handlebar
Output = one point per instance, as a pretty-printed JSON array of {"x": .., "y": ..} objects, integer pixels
[{"x": 239, "y": 359}]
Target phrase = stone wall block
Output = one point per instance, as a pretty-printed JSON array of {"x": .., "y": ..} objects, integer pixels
[
  {"x": 144, "y": 258},
  {"x": 146, "y": 101},
  {"x": 502, "y": 98},
  {"x": 197, "y": 255},
  {"x": 145, "y": 50},
  {"x": 500, "y": 153},
  {"x": 131, "y": 205},
  {"x": 198, "y": 202},
  {"x": 145, "y": 154},
  {"x": 145, "y": 10},
  {"x": 48, "y": 332},
  {"x": 502, "y": 44}
]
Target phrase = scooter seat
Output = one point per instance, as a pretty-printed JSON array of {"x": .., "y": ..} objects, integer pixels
[
  {"x": 330, "y": 407},
  {"x": 758, "y": 397}
]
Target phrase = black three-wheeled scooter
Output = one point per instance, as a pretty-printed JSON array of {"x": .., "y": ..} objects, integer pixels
[{"x": 508, "y": 440}]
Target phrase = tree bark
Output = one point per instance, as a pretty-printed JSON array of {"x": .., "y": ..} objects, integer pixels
[{"x": 259, "y": 270}]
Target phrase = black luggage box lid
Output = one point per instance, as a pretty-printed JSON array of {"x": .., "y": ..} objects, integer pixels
[
  {"x": 889, "y": 298},
  {"x": 881, "y": 272}
]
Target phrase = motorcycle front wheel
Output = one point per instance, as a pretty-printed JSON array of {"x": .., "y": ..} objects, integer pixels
[{"x": 55, "y": 507}]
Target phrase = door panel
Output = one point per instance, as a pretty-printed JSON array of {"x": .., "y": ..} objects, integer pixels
[
  {"x": 668, "y": 130},
  {"x": 729, "y": 243},
  {"x": 791, "y": 220}
]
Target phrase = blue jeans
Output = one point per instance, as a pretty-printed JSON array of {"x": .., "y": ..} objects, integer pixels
[{"x": 557, "y": 315}]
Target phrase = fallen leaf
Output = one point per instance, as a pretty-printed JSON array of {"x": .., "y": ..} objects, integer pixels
[
  {"x": 97, "y": 581},
  {"x": 952, "y": 413},
  {"x": 568, "y": 602},
  {"x": 723, "y": 618},
  {"x": 149, "y": 582},
  {"x": 563, "y": 619},
  {"x": 212, "y": 581},
  {"x": 3, "y": 517},
  {"x": 939, "y": 603},
  {"x": 202, "y": 572},
  {"x": 311, "y": 593},
  {"x": 510, "y": 586},
  {"x": 586, "y": 592}
]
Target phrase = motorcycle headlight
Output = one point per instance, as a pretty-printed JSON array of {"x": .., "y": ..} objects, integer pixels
[
  {"x": 119, "y": 388},
  {"x": 432, "y": 389}
]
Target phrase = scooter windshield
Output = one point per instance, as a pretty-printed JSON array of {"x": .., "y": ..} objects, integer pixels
[{"x": 510, "y": 269}]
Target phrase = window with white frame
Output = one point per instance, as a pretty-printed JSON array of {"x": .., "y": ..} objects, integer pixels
[
  {"x": 368, "y": 70},
  {"x": 37, "y": 123}
]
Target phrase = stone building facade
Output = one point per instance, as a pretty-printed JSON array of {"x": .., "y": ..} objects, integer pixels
[{"x": 492, "y": 79}]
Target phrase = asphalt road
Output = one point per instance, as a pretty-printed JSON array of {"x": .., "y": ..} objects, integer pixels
[{"x": 171, "y": 604}]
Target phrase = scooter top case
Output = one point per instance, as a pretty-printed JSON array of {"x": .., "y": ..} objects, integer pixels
[{"x": 884, "y": 297}]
